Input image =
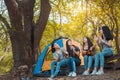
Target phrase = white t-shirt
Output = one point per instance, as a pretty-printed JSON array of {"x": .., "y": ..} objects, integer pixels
[{"x": 60, "y": 53}]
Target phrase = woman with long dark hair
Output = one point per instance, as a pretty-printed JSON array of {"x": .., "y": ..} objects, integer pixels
[
  {"x": 61, "y": 58},
  {"x": 88, "y": 55},
  {"x": 106, "y": 42},
  {"x": 74, "y": 56}
]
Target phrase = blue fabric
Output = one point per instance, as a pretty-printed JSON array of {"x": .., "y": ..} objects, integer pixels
[
  {"x": 39, "y": 64},
  {"x": 72, "y": 64},
  {"x": 88, "y": 61},
  {"x": 99, "y": 57},
  {"x": 59, "y": 42},
  {"x": 77, "y": 61},
  {"x": 67, "y": 61},
  {"x": 38, "y": 67}
]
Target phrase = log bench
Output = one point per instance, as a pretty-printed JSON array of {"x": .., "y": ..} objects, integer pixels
[{"x": 113, "y": 62}]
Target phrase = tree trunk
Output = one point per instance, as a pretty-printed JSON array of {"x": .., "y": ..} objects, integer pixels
[
  {"x": 117, "y": 36},
  {"x": 25, "y": 35},
  {"x": 40, "y": 25}
]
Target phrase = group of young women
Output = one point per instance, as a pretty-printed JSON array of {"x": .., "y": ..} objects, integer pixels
[{"x": 70, "y": 56}]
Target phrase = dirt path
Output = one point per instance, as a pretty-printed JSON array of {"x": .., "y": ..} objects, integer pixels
[{"x": 109, "y": 75}]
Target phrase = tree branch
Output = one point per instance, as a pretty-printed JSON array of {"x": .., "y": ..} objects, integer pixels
[
  {"x": 3, "y": 19},
  {"x": 14, "y": 14},
  {"x": 41, "y": 23},
  {"x": 44, "y": 10}
]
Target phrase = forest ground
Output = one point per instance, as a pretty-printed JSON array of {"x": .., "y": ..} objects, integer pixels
[{"x": 109, "y": 75}]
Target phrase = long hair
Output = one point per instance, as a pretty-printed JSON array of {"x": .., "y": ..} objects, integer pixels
[
  {"x": 53, "y": 49},
  {"x": 67, "y": 46},
  {"x": 90, "y": 44},
  {"x": 107, "y": 33}
]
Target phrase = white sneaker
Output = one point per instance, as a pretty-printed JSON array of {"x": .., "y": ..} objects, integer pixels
[
  {"x": 100, "y": 72},
  {"x": 74, "y": 74},
  {"x": 70, "y": 74},
  {"x": 94, "y": 72},
  {"x": 85, "y": 73},
  {"x": 50, "y": 78}
]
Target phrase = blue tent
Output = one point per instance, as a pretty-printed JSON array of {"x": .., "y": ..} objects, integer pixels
[{"x": 38, "y": 67}]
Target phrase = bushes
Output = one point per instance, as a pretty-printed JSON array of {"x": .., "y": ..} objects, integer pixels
[{"x": 6, "y": 64}]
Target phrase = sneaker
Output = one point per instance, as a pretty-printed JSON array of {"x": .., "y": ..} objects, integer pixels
[
  {"x": 94, "y": 72},
  {"x": 85, "y": 73},
  {"x": 74, "y": 74},
  {"x": 70, "y": 74},
  {"x": 50, "y": 78},
  {"x": 100, "y": 72}
]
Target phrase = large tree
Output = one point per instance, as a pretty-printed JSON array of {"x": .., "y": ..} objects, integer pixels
[{"x": 24, "y": 33}]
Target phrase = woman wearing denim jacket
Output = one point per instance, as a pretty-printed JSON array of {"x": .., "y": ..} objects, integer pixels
[{"x": 106, "y": 42}]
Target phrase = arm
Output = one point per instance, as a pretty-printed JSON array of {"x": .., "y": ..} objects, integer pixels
[
  {"x": 76, "y": 52},
  {"x": 99, "y": 40},
  {"x": 83, "y": 51},
  {"x": 109, "y": 43},
  {"x": 91, "y": 48},
  {"x": 65, "y": 52}
]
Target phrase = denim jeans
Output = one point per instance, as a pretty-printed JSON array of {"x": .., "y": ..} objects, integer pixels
[
  {"x": 99, "y": 57},
  {"x": 77, "y": 61},
  {"x": 67, "y": 61},
  {"x": 88, "y": 61}
]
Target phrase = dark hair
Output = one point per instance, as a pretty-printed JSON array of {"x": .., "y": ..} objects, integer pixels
[
  {"x": 90, "y": 44},
  {"x": 52, "y": 43},
  {"x": 53, "y": 49},
  {"x": 107, "y": 33},
  {"x": 67, "y": 46}
]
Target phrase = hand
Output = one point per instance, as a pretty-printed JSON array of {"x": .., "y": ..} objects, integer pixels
[
  {"x": 91, "y": 48},
  {"x": 100, "y": 38},
  {"x": 73, "y": 49},
  {"x": 84, "y": 52},
  {"x": 96, "y": 38}
]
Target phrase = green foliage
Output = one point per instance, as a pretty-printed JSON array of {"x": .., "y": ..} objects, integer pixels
[
  {"x": 69, "y": 18},
  {"x": 7, "y": 63},
  {"x": 74, "y": 20}
]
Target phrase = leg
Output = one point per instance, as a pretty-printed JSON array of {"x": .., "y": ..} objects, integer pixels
[
  {"x": 69, "y": 65},
  {"x": 89, "y": 64},
  {"x": 72, "y": 61},
  {"x": 85, "y": 62},
  {"x": 90, "y": 59},
  {"x": 97, "y": 58},
  {"x": 73, "y": 64},
  {"x": 77, "y": 61},
  {"x": 104, "y": 53},
  {"x": 52, "y": 67},
  {"x": 96, "y": 63},
  {"x": 59, "y": 64}
]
